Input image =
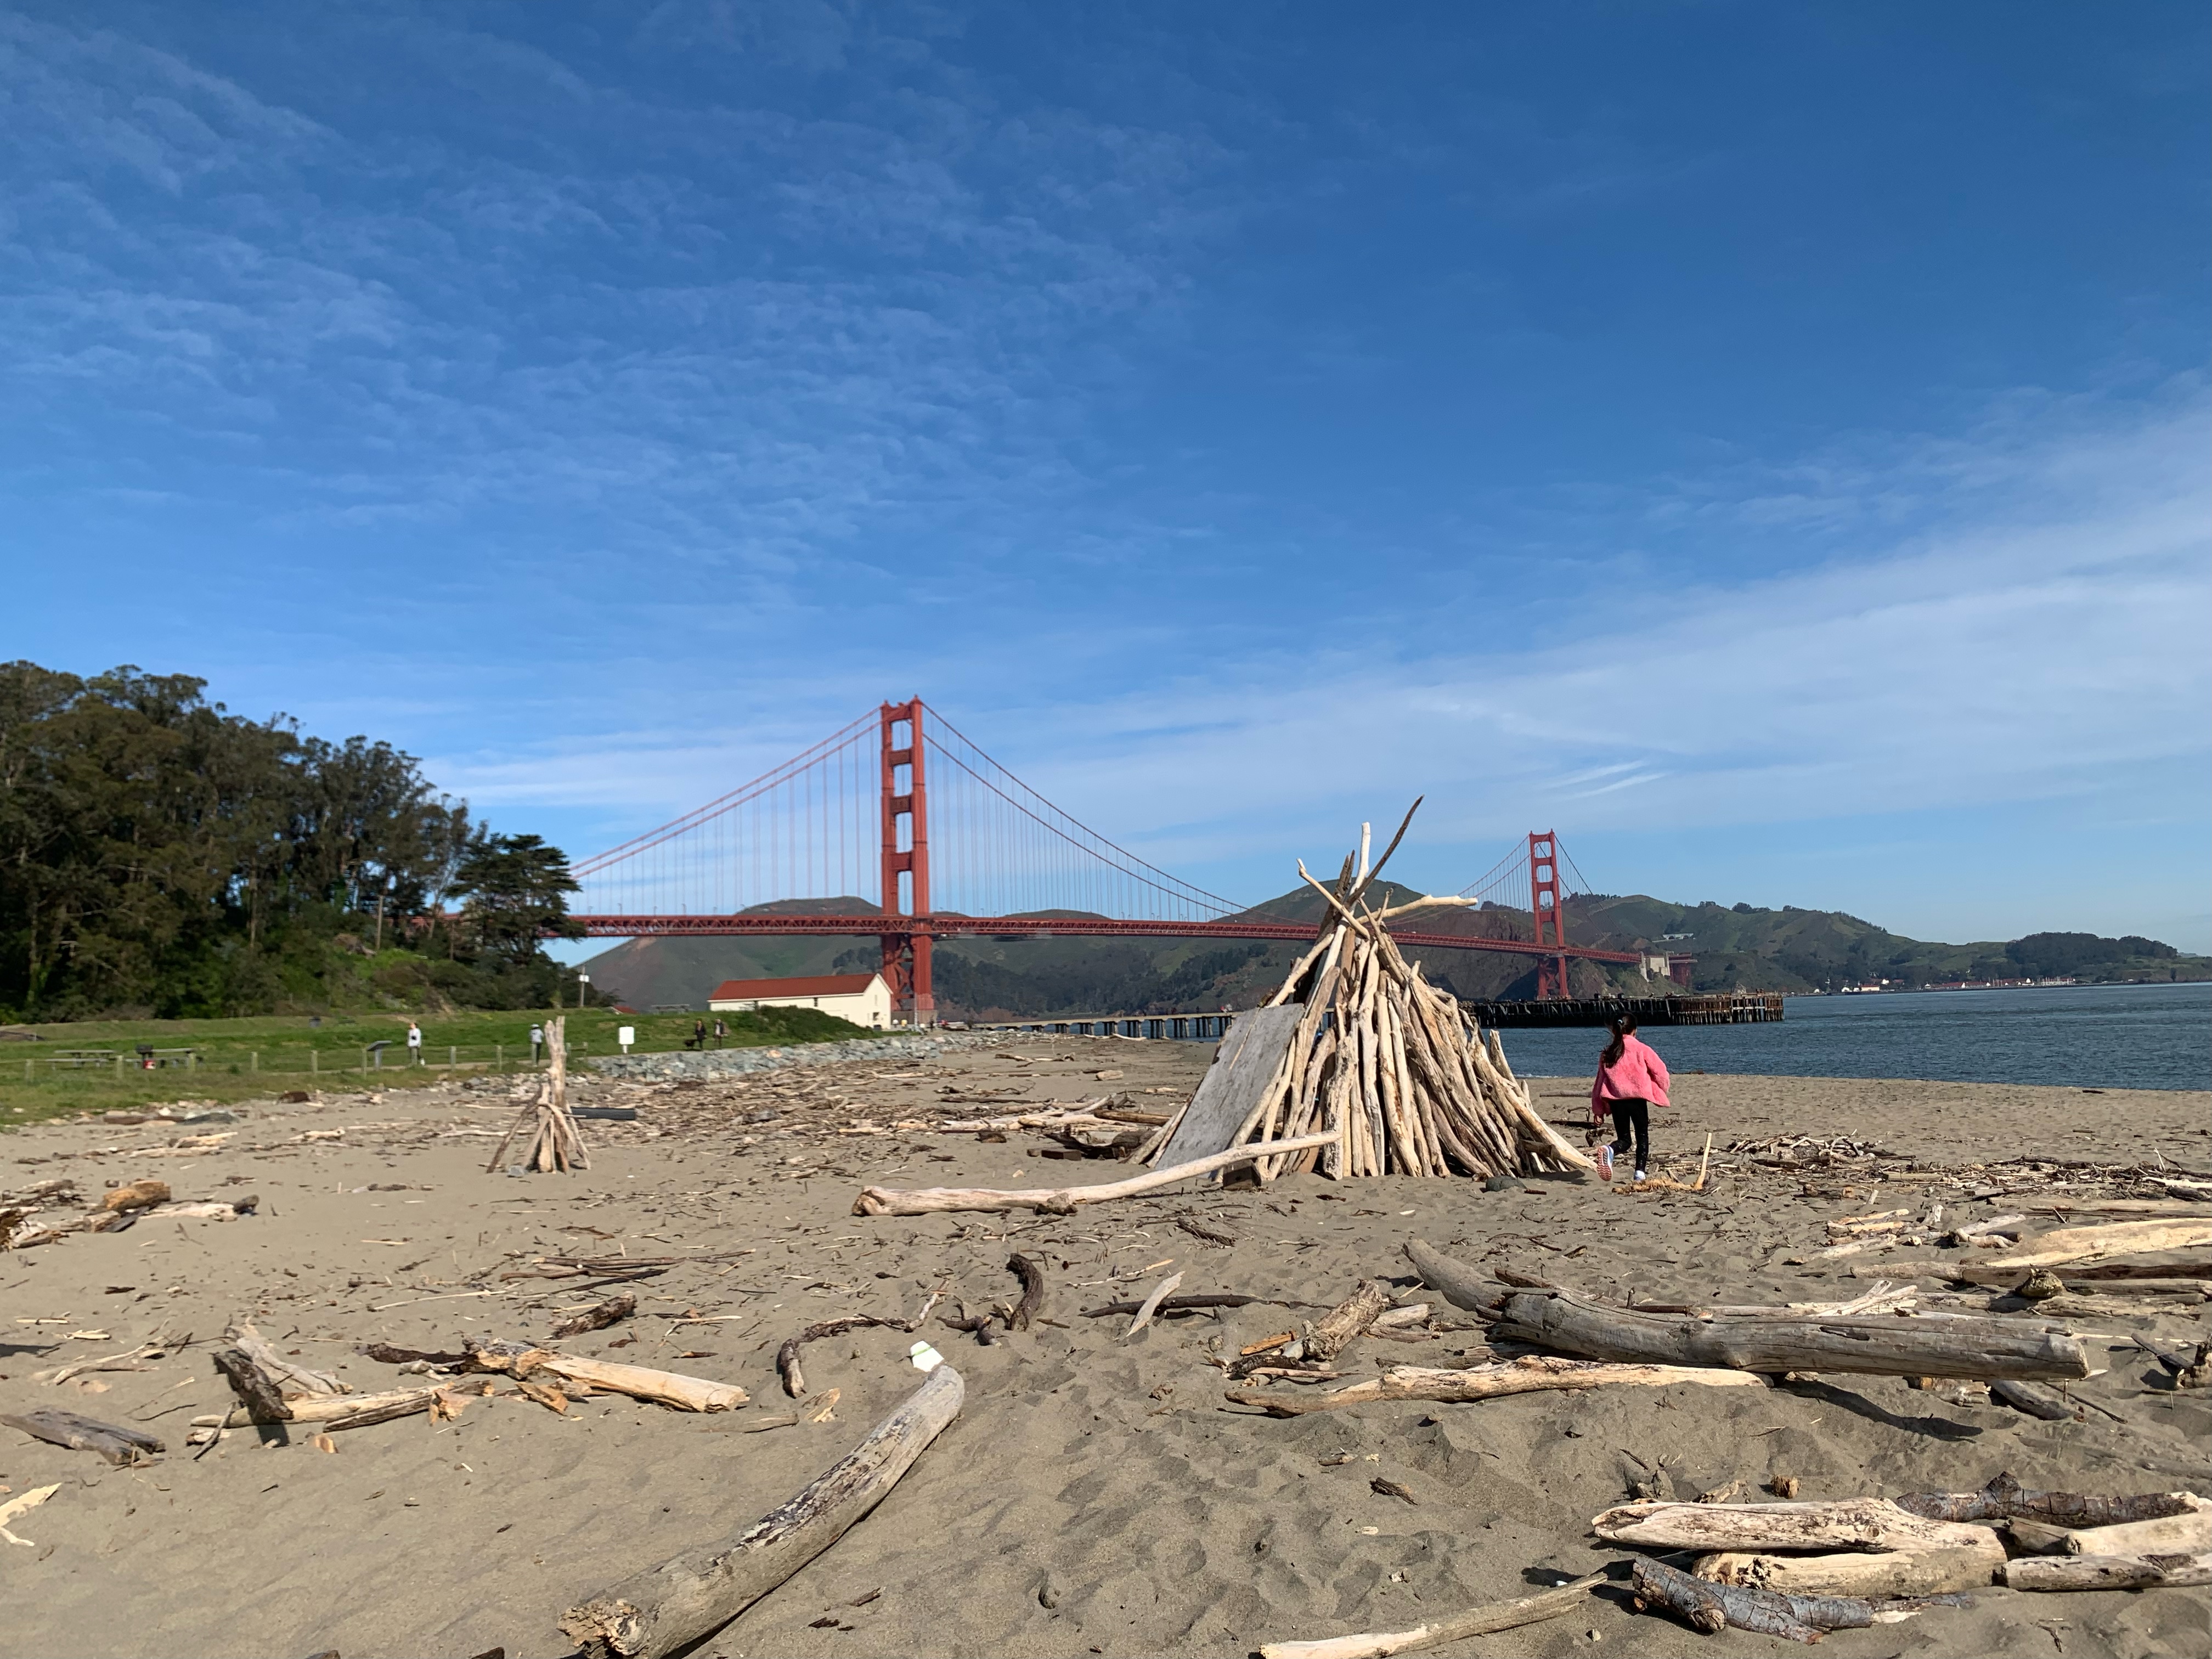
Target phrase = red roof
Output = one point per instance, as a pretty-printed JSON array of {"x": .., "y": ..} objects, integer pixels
[{"x": 821, "y": 985}]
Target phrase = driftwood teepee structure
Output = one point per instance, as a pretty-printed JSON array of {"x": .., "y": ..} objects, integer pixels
[
  {"x": 553, "y": 1140},
  {"x": 1357, "y": 1042}
]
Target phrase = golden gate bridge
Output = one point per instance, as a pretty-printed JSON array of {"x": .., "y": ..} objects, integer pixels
[{"x": 899, "y": 828}]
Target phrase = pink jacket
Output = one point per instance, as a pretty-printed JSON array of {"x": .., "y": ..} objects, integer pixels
[{"x": 1639, "y": 1075}]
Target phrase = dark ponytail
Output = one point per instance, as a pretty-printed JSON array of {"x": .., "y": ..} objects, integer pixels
[{"x": 1623, "y": 1026}]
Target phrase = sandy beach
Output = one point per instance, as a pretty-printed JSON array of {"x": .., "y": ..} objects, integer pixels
[{"x": 1097, "y": 1495}]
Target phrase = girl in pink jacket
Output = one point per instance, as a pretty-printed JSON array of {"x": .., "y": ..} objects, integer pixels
[{"x": 1630, "y": 1080}]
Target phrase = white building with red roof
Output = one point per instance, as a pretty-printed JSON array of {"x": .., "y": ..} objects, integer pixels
[{"x": 863, "y": 999}]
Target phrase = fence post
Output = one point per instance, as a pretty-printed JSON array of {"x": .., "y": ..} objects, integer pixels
[
  {"x": 452, "y": 1055},
  {"x": 119, "y": 1068},
  {"x": 499, "y": 1057},
  {"x": 255, "y": 1057},
  {"x": 314, "y": 1060}
]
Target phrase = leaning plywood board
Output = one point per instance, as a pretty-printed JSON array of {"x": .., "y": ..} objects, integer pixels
[{"x": 1243, "y": 1067}]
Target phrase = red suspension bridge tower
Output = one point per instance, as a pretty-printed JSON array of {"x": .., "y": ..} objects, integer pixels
[
  {"x": 1545, "y": 912},
  {"x": 906, "y": 853}
]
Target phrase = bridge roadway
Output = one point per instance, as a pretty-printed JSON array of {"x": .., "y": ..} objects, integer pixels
[{"x": 943, "y": 924}]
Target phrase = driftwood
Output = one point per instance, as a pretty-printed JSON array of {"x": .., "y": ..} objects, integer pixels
[
  {"x": 2035, "y": 1401},
  {"x": 1151, "y": 1304},
  {"x": 688, "y": 1394},
  {"x": 2112, "y": 1238},
  {"x": 1850, "y": 1523},
  {"x": 257, "y": 1390},
  {"x": 1531, "y": 1374},
  {"x": 356, "y": 1411},
  {"x": 552, "y": 1140},
  {"x": 653, "y": 1613},
  {"x": 1711, "y": 1607},
  {"x": 1897, "y": 1573},
  {"x": 2100, "y": 1573},
  {"x": 787, "y": 1356},
  {"x": 1031, "y": 1271},
  {"x": 1063, "y": 1201},
  {"x": 612, "y": 1311},
  {"x": 1892, "y": 1346},
  {"x": 1247, "y": 1062},
  {"x": 1480, "y": 1621},
  {"x": 113, "y": 1442},
  {"x": 2005, "y": 1499},
  {"x": 135, "y": 1195},
  {"x": 1335, "y": 1330},
  {"x": 1392, "y": 1067},
  {"x": 1192, "y": 1304},
  {"x": 290, "y": 1380},
  {"x": 2189, "y": 1533}
]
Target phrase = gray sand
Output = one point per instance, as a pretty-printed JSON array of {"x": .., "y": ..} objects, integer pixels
[{"x": 1095, "y": 1496}]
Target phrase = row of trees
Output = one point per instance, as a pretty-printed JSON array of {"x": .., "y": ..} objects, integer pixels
[{"x": 159, "y": 853}]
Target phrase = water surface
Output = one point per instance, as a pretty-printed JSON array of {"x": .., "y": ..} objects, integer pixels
[{"x": 2091, "y": 1037}]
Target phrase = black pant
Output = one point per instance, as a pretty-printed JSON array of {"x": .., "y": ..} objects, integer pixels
[{"x": 1634, "y": 1117}]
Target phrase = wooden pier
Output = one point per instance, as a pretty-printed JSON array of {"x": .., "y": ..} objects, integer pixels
[{"x": 1735, "y": 1008}]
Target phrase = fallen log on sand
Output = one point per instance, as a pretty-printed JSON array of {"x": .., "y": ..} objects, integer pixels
[
  {"x": 1850, "y": 1523},
  {"x": 2005, "y": 1499},
  {"x": 2096, "y": 1572},
  {"x": 1480, "y": 1621},
  {"x": 1063, "y": 1201},
  {"x": 1897, "y": 1573},
  {"x": 116, "y": 1443},
  {"x": 1711, "y": 1607},
  {"x": 358, "y": 1411},
  {"x": 1888, "y": 1345},
  {"x": 686, "y": 1394},
  {"x": 1532, "y": 1374},
  {"x": 2114, "y": 1239},
  {"x": 653, "y": 1613}
]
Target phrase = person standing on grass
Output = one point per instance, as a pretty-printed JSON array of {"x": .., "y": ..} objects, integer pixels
[
  {"x": 537, "y": 1041},
  {"x": 1630, "y": 1080},
  {"x": 414, "y": 1043}
]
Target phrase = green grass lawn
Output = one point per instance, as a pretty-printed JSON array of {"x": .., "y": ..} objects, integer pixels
[{"x": 94, "y": 1065}]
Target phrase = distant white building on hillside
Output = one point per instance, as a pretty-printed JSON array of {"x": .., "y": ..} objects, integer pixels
[{"x": 864, "y": 998}]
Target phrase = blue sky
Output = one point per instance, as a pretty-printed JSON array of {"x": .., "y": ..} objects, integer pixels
[{"x": 1767, "y": 443}]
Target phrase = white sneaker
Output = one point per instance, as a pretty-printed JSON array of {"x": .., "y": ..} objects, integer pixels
[{"x": 1639, "y": 1175}]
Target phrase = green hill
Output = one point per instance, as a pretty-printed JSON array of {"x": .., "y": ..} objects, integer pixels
[{"x": 1741, "y": 947}]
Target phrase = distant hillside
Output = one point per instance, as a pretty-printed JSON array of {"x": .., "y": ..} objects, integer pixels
[{"x": 1740, "y": 948}]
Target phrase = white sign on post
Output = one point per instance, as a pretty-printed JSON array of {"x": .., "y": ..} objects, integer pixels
[{"x": 626, "y": 1034}]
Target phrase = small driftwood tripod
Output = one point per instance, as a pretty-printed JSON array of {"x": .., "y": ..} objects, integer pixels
[{"x": 554, "y": 1142}]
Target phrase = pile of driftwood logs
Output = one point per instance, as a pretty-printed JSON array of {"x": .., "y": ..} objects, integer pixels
[
  {"x": 551, "y": 1140},
  {"x": 1358, "y": 1045}
]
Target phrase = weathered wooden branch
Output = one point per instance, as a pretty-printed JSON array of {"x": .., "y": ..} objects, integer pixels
[
  {"x": 1531, "y": 1374},
  {"x": 688, "y": 1394},
  {"x": 265, "y": 1402},
  {"x": 612, "y": 1311},
  {"x": 1480, "y": 1621},
  {"x": 1063, "y": 1201},
  {"x": 1335, "y": 1330},
  {"x": 1031, "y": 1271},
  {"x": 1936, "y": 1571},
  {"x": 2034, "y": 1401},
  {"x": 1711, "y": 1607},
  {"x": 1850, "y": 1523},
  {"x": 653, "y": 1613},
  {"x": 2005, "y": 1499},
  {"x": 1892, "y": 1346},
  {"x": 2112, "y": 1238},
  {"x": 331, "y": 1412},
  {"x": 2100, "y": 1573},
  {"x": 2189, "y": 1533},
  {"x": 112, "y": 1441},
  {"x": 1458, "y": 1284},
  {"x": 290, "y": 1380}
]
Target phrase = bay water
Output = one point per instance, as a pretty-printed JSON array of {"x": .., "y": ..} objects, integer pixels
[{"x": 2086, "y": 1036}]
